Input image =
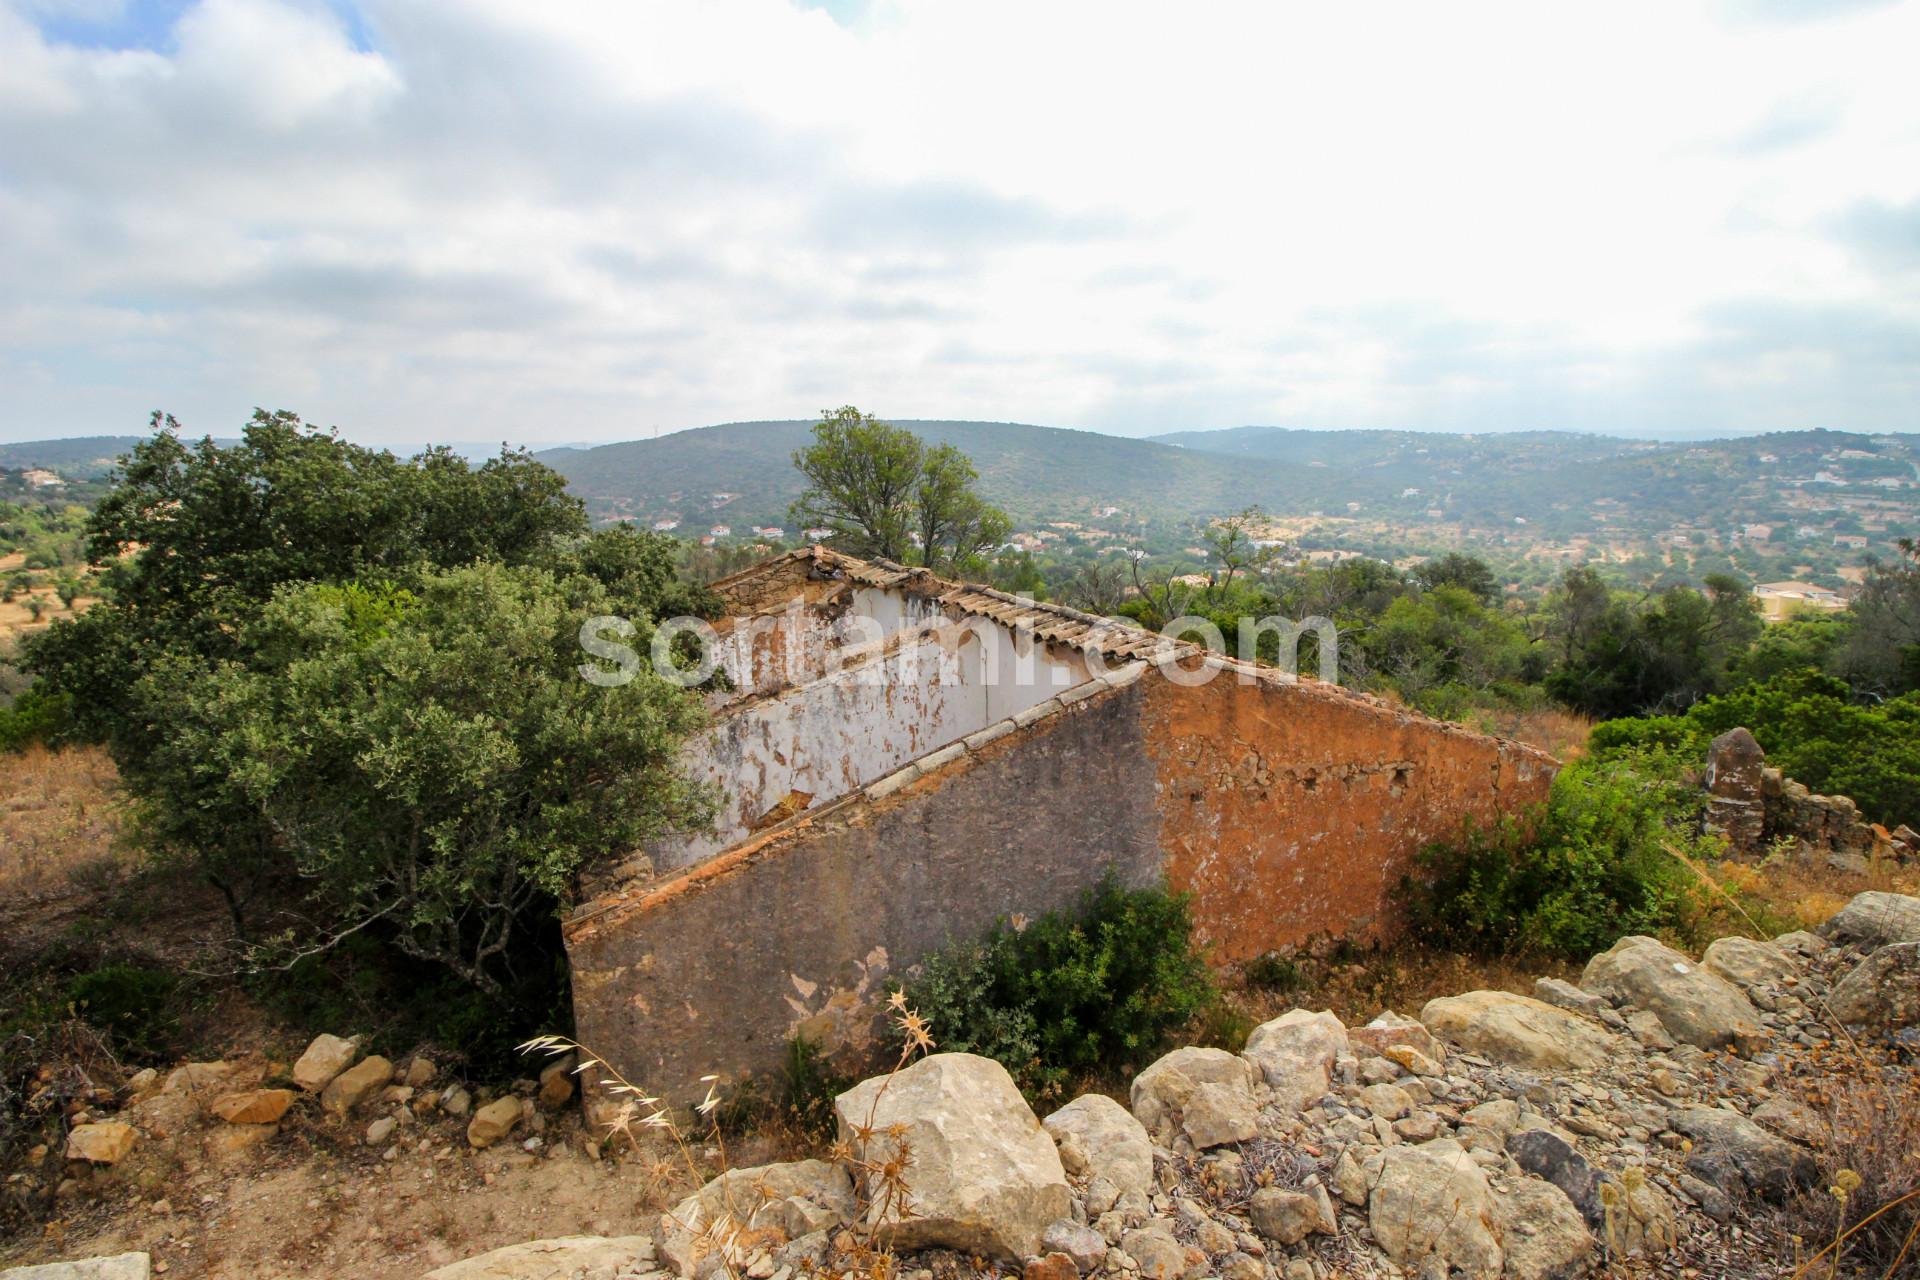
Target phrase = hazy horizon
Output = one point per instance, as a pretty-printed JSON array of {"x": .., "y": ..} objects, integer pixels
[{"x": 476, "y": 447}]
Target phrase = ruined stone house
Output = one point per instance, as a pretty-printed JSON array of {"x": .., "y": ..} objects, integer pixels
[{"x": 904, "y": 760}]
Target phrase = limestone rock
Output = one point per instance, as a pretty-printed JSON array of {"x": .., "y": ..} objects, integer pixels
[
  {"x": 1795, "y": 1120},
  {"x": 1087, "y": 1247},
  {"x": 1873, "y": 920},
  {"x": 565, "y": 1258},
  {"x": 1432, "y": 1201},
  {"x": 1732, "y": 1152},
  {"x": 1543, "y": 1235},
  {"x": 1517, "y": 1030},
  {"x": 494, "y": 1121},
  {"x": 107, "y": 1142},
  {"x": 1694, "y": 1006},
  {"x": 1218, "y": 1114},
  {"x": 985, "y": 1176},
  {"x": 1746, "y": 963},
  {"x": 354, "y": 1085},
  {"x": 257, "y": 1106},
  {"x": 1295, "y": 1053},
  {"x": 419, "y": 1073},
  {"x": 1412, "y": 1061},
  {"x": 1639, "y": 1219},
  {"x": 1387, "y": 1101},
  {"x": 1547, "y": 1156},
  {"x": 197, "y": 1077},
  {"x": 1160, "y": 1256},
  {"x": 1095, "y": 1134},
  {"x": 1390, "y": 1029},
  {"x": 556, "y": 1083},
  {"x": 1883, "y": 991},
  {"x": 324, "y": 1059},
  {"x": 1803, "y": 944},
  {"x": 1289, "y": 1217},
  {"x": 1159, "y": 1092},
  {"x": 786, "y": 1201},
  {"x": 1052, "y": 1266},
  {"x": 1564, "y": 995},
  {"x": 121, "y": 1266}
]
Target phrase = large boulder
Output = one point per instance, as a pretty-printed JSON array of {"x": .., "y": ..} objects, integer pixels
[
  {"x": 1098, "y": 1136},
  {"x": 1694, "y": 1006},
  {"x": 1733, "y": 1153},
  {"x": 1883, "y": 991},
  {"x": 1295, "y": 1053},
  {"x": 1543, "y": 1235},
  {"x": 775, "y": 1202},
  {"x": 1433, "y": 1200},
  {"x": 1746, "y": 963},
  {"x": 984, "y": 1176},
  {"x": 1518, "y": 1031},
  {"x": 1873, "y": 920},
  {"x": 1160, "y": 1092},
  {"x": 564, "y": 1258}
]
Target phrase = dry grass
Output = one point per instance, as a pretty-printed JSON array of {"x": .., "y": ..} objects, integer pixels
[
  {"x": 1561, "y": 734},
  {"x": 1358, "y": 986},
  {"x": 1787, "y": 894},
  {"x": 60, "y": 820}
]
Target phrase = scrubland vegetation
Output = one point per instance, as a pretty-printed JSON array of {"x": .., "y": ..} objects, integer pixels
[{"x": 325, "y": 712}]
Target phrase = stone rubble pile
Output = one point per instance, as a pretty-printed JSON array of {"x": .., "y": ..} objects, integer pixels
[
  {"x": 1622, "y": 1125},
  {"x": 1593, "y": 1129}
]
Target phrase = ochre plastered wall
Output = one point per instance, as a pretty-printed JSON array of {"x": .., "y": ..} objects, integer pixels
[{"x": 1290, "y": 809}]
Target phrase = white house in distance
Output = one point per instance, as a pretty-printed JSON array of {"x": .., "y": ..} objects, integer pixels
[{"x": 1782, "y": 600}]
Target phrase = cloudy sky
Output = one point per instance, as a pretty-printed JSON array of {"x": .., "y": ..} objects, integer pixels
[{"x": 542, "y": 221}]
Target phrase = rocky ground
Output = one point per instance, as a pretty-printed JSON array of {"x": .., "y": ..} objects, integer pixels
[{"x": 1658, "y": 1117}]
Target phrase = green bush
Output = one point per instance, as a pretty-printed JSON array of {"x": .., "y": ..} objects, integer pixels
[
  {"x": 34, "y": 716},
  {"x": 130, "y": 1004},
  {"x": 1810, "y": 728},
  {"x": 1598, "y": 864},
  {"x": 1100, "y": 988}
]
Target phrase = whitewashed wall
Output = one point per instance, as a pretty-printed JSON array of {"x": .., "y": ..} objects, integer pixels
[{"x": 852, "y": 726}]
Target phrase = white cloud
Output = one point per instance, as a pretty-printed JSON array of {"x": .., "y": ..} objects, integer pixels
[{"x": 557, "y": 222}]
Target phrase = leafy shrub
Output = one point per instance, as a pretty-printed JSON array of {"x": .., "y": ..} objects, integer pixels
[
  {"x": 1099, "y": 988},
  {"x": 1595, "y": 866},
  {"x": 130, "y": 1004},
  {"x": 1811, "y": 730},
  {"x": 34, "y": 716}
]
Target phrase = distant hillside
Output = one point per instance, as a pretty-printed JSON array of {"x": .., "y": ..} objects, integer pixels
[
  {"x": 1031, "y": 471},
  {"x": 81, "y": 458}
]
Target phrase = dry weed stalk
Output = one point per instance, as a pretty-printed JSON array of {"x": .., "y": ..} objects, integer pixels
[{"x": 881, "y": 1192}]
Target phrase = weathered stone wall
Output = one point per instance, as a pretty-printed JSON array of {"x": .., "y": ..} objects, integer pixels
[{"x": 712, "y": 970}]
